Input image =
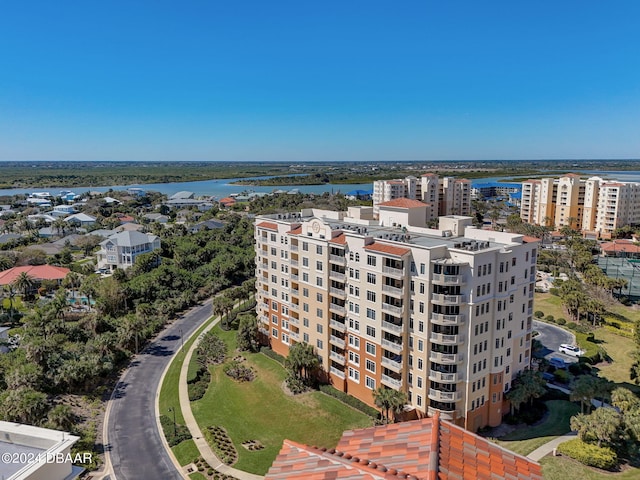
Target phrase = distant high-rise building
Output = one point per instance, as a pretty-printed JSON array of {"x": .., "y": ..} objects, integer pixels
[
  {"x": 444, "y": 315},
  {"x": 594, "y": 205},
  {"x": 444, "y": 196}
]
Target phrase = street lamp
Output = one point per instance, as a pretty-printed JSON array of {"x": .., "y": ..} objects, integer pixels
[
  {"x": 181, "y": 340},
  {"x": 171, "y": 409}
]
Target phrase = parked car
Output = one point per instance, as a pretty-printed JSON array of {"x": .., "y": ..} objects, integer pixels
[
  {"x": 571, "y": 350},
  {"x": 557, "y": 362}
]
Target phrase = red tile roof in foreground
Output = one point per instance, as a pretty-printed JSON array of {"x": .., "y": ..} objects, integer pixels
[
  {"x": 39, "y": 272},
  {"x": 384, "y": 248},
  {"x": 403, "y": 203},
  {"x": 295, "y": 231},
  {"x": 268, "y": 225},
  {"x": 422, "y": 449},
  {"x": 530, "y": 239}
]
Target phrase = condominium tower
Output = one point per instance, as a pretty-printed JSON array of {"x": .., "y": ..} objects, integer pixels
[
  {"x": 594, "y": 205},
  {"x": 444, "y": 196},
  {"x": 444, "y": 315}
]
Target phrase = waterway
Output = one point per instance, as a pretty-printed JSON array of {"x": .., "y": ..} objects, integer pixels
[{"x": 224, "y": 187}]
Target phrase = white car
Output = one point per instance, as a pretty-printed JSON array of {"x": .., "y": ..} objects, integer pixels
[{"x": 571, "y": 350}]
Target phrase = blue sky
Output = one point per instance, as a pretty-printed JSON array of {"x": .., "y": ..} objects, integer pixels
[{"x": 294, "y": 81}]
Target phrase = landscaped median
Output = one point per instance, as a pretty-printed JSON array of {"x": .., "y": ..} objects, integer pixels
[{"x": 252, "y": 418}]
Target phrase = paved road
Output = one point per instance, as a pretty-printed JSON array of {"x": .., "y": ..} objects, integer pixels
[
  {"x": 135, "y": 447},
  {"x": 551, "y": 337}
]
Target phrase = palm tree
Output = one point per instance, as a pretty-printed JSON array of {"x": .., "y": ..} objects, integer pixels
[
  {"x": 24, "y": 282},
  {"x": 10, "y": 290},
  {"x": 72, "y": 281},
  {"x": 383, "y": 399},
  {"x": 584, "y": 390}
]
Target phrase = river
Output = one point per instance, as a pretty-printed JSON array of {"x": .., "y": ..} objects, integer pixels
[{"x": 223, "y": 188}]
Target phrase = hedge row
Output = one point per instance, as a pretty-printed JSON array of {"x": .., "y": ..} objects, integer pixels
[
  {"x": 271, "y": 354},
  {"x": 349, "y": 400},
  {"x": 588, "y": 454}
]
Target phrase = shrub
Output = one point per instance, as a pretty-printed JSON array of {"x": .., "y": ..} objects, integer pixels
[
  {"x": 349, "y": 400},
  {"x": 538, "y": 314},
  {"x": 549, "y": 318},
  {"x": 295, "y": 384},
  {"x": 561, "y": 376},
  {"x": 588, "y": 454},
  {"x": 198, "y": 385},
  {"x": 554, "y": 291},
  {"x": 561, "y": 321},
  {"x": 572, "y": 325},
  {"x": 271, "y": 354},
  {"x": 181, "y": 431},
  {"x": 239, "y": 372}
]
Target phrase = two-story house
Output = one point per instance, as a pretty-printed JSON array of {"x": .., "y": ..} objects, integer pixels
[{"x": 122, "y": 249}]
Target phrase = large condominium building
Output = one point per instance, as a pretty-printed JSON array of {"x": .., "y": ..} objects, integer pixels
[
  {"x": 444, "y": 315},
  {"x": 444, "y": 196},
  {"x": 594, "y": 205}
]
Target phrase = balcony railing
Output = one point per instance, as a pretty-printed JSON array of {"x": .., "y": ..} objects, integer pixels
[
  {"x": 294, "y": 248},
  {"x": 339, "y": 326},
  {"x": 294, "y": 306},
  {"x": 445, "y": 357},
  {"x": 392, "y": 346},
  {"x": 336, "y": 372},
  {"x": 392, "y": 364},
  {"x": 448, "y": 279},
  {"x": 446, "y": 299},
  {"x": 442, "y": 377},
  {"x": 391, "y": 327},
  {"x": 392, "y": 309},
  {"x": 337, "y": 341},
  {"x": 341, "y": 277},
  {"x": 294, "y": 335},
  {"x": 295, "y": 291},
  {"x": 294, "y": 263},
  {"x": 338, "y": 292},
  {"x": 394, "y": 272},
  {"x": 337, "y": 309},
  {"x": 445, "y": 339},
  {"x": 391, "y": 382},
  {"x": 294, "y": 277},
  {"x": 442, "y": 319},
  {"x": 395, "y": 291},
  {"x": 444, "y": 414},
  {"x": 294, "y": 321},
  {"x": 441, "y": 396},
  {"x": 338, "y": 259},
  {"x": 336, "y": 357}
]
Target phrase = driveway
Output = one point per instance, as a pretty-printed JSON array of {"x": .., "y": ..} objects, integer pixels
[
  {"x": 551, "y": 337},
  {"x": 134, "y": 445}
]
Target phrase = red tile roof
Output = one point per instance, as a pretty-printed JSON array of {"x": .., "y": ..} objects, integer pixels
[
  {"x": 268, "y": 225},
  {"x": 384, "y": 248},
  {"x": 530, "y": 239},
  {"x": 423, "y": 449},
  {"x": 295, "y": 231},
  {"x": 621, "y": 246},
  {"x": 340, "y": 239},
  {"x": 39, "y": 272},
  {"x": 227, "y": 201},
  {"x": 403, "y": 203}
]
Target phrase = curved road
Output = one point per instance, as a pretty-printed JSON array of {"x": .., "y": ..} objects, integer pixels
[
  {"x": 552, "y": 337},
  {"x": 134, "y": 445}
]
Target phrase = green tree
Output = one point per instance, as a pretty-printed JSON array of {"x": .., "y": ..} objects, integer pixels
[
  {"x": 388, "y": 399},
  {"x": 211, "y": 350},
  {"x": 302, "y": 361},
  {"x": 248, "y": 333},
  {"x": 61, "y": 417},
  {"x": 23, "y": 405},
  {"x": 603, "y": 425},
  {"x": 24, "y": 283},
  {"x": 583, "y": 390}
]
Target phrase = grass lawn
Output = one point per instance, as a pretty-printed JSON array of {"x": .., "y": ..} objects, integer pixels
[
  {"x": 526, "y": 440},
  {"x": 186, "y": 452},
  {"x": 259, "y": 410},
  {"x": 563, "y": 468}
]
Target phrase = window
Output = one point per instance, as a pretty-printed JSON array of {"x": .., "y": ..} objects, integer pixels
[
  {"x": 419, "y": 382},
  {"x": 305, "y": 337},
  {"x": 371, "y": 296},
  {"x": 423, "y": 268},
  {"x": 319, "y": 281},
  {"x": 421, "y": 287},
  {"x": 354, "y": 324},
  {"x": 370, "y": 365},
  {"x": 370, "y": 382},
  {"x": 354, "y": 341},
  {"x": 420, "y": 345},
  {"x": 371, "y": 331},
  {"x": 420, "y": 363},
  {"x": 421, "y": 307},
  {"x": 371, "y": 313},
  {"x": 305, "y": 261},
  {"x": 371, "y": 278},
  {"x": 354, "y": 358},
  {"x": 318, "y": 265},
  {"x": 319, "y": 344},
  {"x": 305, "y": 246},
  {"x": 319, "y": 297},
  {"x": 419, "y": 400},
  {"x": 305, "y": 322},
  {"x": 513, "y": 262},
  {"x": 420, "y": 326},
  {"x": 371, "y": 348},
  {"x": 319, "y": 327},
  {"x": 354, "y": 374},
  {"x": 274, "y": 333},
  {"x": 371, "y": 260},
  {"x": 274, "y": 319},
  {"x": 305, "y": 277},
  {"x": 319, "y": 249},
  {"x": 319, "y": 312},
  {"x": 305, "y": 307}
]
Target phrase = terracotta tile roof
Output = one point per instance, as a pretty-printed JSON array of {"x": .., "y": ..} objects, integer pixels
[
  {"x": 268, "y": 225},
  {"x": 39, "y": 272},
  {"x": 295, "y": 231},
  {"x": 403, "y": 203},
  {"x": 622, "y": 246},
  {"x": 613, "y": 184},
  {"x": 389, "y": 249},
  {"x": 227, "y": 201},
  {"x": 395, "y": 182},
  {"x": 429, "y": 175},
  {"x": 340, "y": 239},
  {"x": 422, "y": 449},
  {"x": 530, "y": 239}
]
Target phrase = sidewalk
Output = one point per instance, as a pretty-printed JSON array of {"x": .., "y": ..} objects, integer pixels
[
  {"x": 549, "y": 447},
  {"x": 192, "y": 425}
]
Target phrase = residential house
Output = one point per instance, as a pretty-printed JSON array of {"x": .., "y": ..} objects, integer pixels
[
  {"x": 122, "y": 249},
  {"x": 80, "y": 220},
  {"x": 156, "y": 217}
]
